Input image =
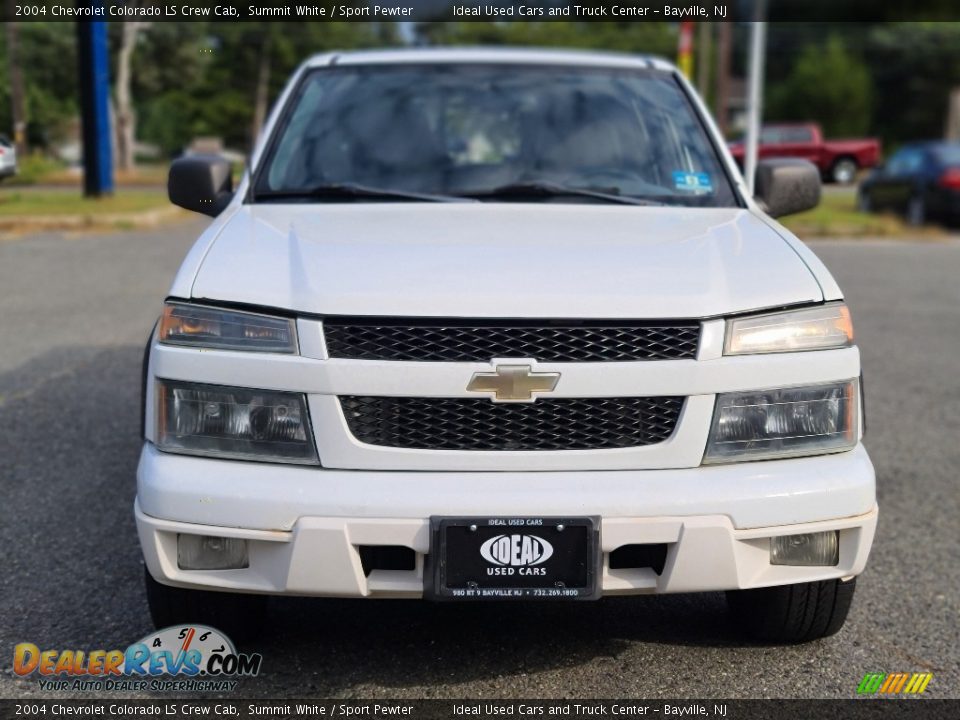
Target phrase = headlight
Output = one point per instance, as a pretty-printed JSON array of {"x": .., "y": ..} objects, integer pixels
[
  {"x": 784, "y": 423},
  {"x": 817, "y": 328},
  {"x": 199, "y": 326},
  {"x": 228, "y": 422}
]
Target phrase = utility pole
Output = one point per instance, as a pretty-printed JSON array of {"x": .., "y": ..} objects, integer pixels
[
  {"x": 125, "y": 117},
  {"x": 685, "y": 49},
  {"x": 758, "y": 42},
  {"x": 94, "y": 71},
  {"x": 19, "y": 108},
  {"x": 703, "y": 59},
  {"x": 952, "y": 132},
  {"x": 722, "y": 95}
]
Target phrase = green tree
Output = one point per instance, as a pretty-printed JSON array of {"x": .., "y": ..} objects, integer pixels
[
  {"x": 646, "y": 38},
  {"x": 209, "y": 85},
  {"x": 914, "y": 67},
  {"x": 50, "y": 81},
  {"x": 827, "y": 84}
]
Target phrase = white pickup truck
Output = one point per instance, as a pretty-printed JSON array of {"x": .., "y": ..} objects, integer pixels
[{"x": 501, "y": 324}]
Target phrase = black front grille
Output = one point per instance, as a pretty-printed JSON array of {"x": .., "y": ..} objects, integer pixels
[
  {"x": 482, "y": 340},
  {"x": 479, "y": 424}
]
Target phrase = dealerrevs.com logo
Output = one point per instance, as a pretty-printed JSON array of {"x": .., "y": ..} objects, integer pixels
[
  {"x": 519, "y": 551},
  {"x": 186, "y": 657}
]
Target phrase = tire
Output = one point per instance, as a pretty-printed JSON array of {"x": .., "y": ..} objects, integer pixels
[
  {"x": 844, "y": 171},
  {"x": 792, "y": 613},
  {"x": 916, "y": 211},
  {"x": 241, "y": 617},
  {"x": 864, "y": 203}
]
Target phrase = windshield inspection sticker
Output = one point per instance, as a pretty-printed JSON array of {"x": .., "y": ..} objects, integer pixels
[{"x": 692, "y": 182}]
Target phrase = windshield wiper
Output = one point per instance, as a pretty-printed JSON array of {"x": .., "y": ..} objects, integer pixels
[
  {"x": 547, "y": 189},
  {"x": 354, "y": 190}
]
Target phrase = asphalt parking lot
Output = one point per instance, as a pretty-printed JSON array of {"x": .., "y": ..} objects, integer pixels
[{"x": 74, "y": 314}]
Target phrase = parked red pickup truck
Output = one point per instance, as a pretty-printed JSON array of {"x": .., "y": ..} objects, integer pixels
[{"x": 838, "y": 160}]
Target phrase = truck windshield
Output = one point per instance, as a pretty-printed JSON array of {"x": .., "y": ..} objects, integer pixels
[{"x": 494, "y": 133}]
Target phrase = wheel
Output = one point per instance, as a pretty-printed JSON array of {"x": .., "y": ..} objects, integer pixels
[
  {"x": 864, "y": 203},
  {"x": 844, "y": 171},
  {"x": 241, "y": 617},
  {"x": 916, "y": 211},
  {"x": 792, "y": 613}
]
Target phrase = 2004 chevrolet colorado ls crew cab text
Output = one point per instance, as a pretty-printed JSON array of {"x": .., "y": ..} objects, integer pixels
[{"x": 493, "y": 324}]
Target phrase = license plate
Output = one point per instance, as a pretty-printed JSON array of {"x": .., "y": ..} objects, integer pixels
[{"x": 513, "y": 558}]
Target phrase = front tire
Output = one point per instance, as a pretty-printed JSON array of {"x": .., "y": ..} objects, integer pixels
[
  {"x": 241, "y": 617},
  {"x": 844, "y": 171},
  {"x": 792, "y": 613}
]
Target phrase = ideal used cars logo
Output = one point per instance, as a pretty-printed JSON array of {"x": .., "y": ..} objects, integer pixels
[
  {"x": 200, "y": 657},
  {"x": 520, "y": 551}
]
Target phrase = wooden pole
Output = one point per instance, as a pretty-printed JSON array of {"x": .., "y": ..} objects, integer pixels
[
  {"x": 703, "y": 58},
  {"x": 17, "y": 97}
]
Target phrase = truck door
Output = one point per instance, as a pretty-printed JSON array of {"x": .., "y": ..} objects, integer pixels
[
  {"x": 769, "y": 145},
  {"x": 884, "y": 191}
]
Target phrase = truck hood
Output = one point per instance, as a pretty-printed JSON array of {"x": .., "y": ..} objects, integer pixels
[{"x": 502, "y": 260}]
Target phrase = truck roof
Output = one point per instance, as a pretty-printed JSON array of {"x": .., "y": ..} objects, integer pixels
[
  {"x": 791, "y": 124},
  {"x": 506, "y": 55}
]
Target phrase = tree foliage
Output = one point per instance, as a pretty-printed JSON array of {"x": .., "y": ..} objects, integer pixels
[
  {"x": 645, "y": 38},
  {"x": 50, "y": 81},
  {"x": 189, "y": 79},
  {"x": 914, "y": 67},
  {"x": 828, "y": 85},
  {"x": 200, "y": 78},
  {"x": 210, "y": 87},
  {"x": 909, "y": 68}
]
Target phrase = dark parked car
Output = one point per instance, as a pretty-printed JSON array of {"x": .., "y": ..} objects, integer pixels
[{"x": 921, "y": 181}]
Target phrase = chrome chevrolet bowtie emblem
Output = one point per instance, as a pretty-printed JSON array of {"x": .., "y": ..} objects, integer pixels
[{"x": 513, "y": 383}]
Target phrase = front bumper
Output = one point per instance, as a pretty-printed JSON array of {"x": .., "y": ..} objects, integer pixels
[{"x": 304, "y": 525}]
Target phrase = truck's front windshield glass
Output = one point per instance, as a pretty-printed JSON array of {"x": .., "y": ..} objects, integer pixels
[{"x": 494, "y": 133}]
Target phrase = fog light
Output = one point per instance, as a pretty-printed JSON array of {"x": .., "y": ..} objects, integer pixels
[
  {"x": 822, "y": 548},
  {"x": 204, "y": 552}
]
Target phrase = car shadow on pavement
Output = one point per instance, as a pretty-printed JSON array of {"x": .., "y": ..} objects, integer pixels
[
  {"x": 401, "y": 644},
  {"x": 69, "y": 443}
]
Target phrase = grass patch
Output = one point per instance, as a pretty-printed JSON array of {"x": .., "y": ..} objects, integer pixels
[
  {"x": 33, "y": 168},
  {"x": 26, "y": 202},
  {"x": 837, "y": 216},
  {"x": 39, "y": 169}
]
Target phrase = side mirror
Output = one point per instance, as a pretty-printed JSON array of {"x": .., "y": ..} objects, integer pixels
[
  {"x": 201, "y": 183},
  {"x": 786, "y": 185}
]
